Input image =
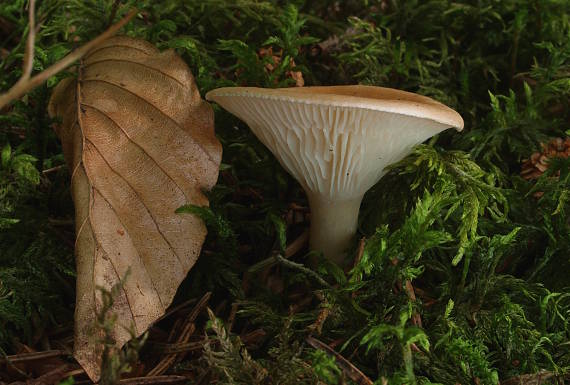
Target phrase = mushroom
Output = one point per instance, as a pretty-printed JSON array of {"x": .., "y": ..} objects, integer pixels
[{"x": 336, "y": 141}]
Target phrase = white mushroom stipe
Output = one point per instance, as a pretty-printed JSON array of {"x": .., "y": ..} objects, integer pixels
[{"x": 337, "y": 141}]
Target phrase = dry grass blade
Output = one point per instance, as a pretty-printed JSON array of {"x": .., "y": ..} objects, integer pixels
[
  {"x": 54, "y": 376},
  {"x": 73, "y": 373},
  {"x": 198, "y": 307},
  {"x": 293, "y": 248},
  {"x": 179, "y": 347},
  {"x": 298, "y": 244},
  {"x": 530, "y": 379},
  {"x": 347, "y": 368},
  {"x": 188, "y": 328},
  {"x": 160, "y": 380},
  {"x": 35, "y": 356},
  {"x": 232, "y": 317},
  {"x": 416, "y": 317},
  {"x": 177, "y": 308},
  {"x": 324, "y": 313},
  {"x": 156, "y": 380},
  {"x": 360, "y": 251}
]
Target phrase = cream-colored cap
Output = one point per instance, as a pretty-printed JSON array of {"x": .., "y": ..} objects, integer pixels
[{"x": 338, "y": 140}]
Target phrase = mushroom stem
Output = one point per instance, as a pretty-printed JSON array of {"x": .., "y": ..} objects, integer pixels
[{"x": 333, "y": 224}]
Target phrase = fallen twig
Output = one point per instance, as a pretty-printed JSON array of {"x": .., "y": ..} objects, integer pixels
[
  {"x": 317, "y": 326},
  {"x": 27, "y": 83},
  {"x": 296, "y": 246},
  {"x": 232, "y": 317},
  {"x": 73, "y": 373},
  {"x": 251, "y": 337},
  {"x": 26, "y": 357},
  {"x": 184, "y": 347},
  {"x": 154, "y": 380},
  {"x": 360, "y": 253},
  {"x": 52, "y": 377},
  {"x": 28, "y": 64},
  {"x": 52, "y": 169},
  {"x": 292, "y": 249},
  {"x": 187, "y": 329},
  {"x": 177, "y": 308},
  {"x": 324, "y": 313},
  {"x": 529, "y": 379},
  {"x": 299, "y": 266},
  {"x": 159, "y": 380},
  {"x": 179, "y": 347},
  {"x": 346, "y": 366},
  {"x": 416, "y": 317}
]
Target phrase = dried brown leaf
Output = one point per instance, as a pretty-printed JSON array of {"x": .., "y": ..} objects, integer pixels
[{"x": 140, "y": 143}]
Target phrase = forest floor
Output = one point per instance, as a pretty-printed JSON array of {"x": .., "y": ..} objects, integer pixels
[{"x": 460, "y": 272}]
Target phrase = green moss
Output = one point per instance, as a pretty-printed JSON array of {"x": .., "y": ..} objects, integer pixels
[{"x": 454, "y": 219}]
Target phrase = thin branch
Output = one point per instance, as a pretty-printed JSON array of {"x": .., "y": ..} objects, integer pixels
[
  {"x": 324, "y": 313},
  {"x": 409, "y": 289},
  {"x": 28, "y": 64},
  {"x": 292, "y": 249},
  {"x": 24, "y": 86},
  {"x": 53, "y": 169},
  {"x": 114, "y": 10},
  {"x": 54, "y": 376},
  {"x": 34, "y": 356},
  {"x": 297, "y": 245},
  {"x": 187, "y": 330},
  {"x": 360, "y": 252},
  {"x": 176, "y": 309},
  {"x": 162, "y": 380},
  {"x": 529, "y": 379},
  {"x": 346, "y": 366},
  {"x": 299, "y": 266}
]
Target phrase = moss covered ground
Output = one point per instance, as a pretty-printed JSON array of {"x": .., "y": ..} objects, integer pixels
[{"x": 461, "y": 267}]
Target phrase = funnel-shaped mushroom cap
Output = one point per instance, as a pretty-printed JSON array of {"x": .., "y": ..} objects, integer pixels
[{"x": 337, "y": 141}]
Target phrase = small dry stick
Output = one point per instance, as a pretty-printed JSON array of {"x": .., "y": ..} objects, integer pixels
[
  {"x": 53, "y": 169},
  {"x": 347, "y": 367},
  {"x": 176, "y": 309},
  {"x": 34, "y": 356},
  {"x": 296, "y": 246},
  {"x": 159, "y": 380},
  {"x": 188, "y": 329},
  {"x": 300, "y": 267},
  {"x": 292, "y": 249},
  {"x": 231, "y": 319},
  {"x": 27, "y": 83},
  {"x": 156, "y": 380},
  {"x": 416, "y": 317},
  {"x": 529, "y": 379},
  {"x": 54, "y": 376},
  {"x": 73, "y": 373},
  {"x": 28, "y": 64},
  {"x": 324, "y": 313},
  {"x": 360, "y": 253},
  {"x": 179, "y": 347}
]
